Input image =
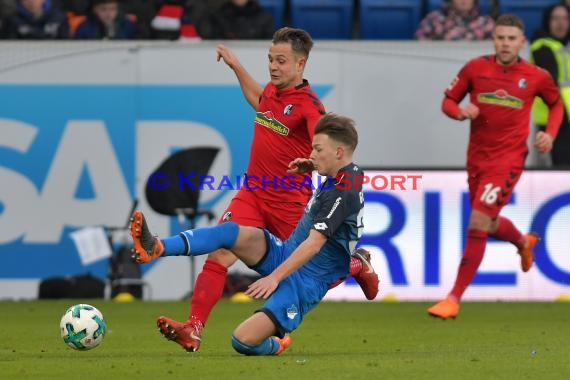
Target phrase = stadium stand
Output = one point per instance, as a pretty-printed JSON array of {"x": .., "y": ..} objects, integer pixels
[
  {"x": 277, "y": 10},
  {"x": 389, "y": 19},
  {"x": 530, "y": 11},
  {"x": 485, "y": 6},
  {"x": 323, "y": 19}
]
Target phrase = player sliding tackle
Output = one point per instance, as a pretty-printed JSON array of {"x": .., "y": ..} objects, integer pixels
[
  {"x": 286, "y": 112},
  {"x": 296, "y": 272}
]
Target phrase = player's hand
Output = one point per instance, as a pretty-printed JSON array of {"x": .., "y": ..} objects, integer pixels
[
  {"x": 470, "y": 111},
  {"x": 543, "y": 142},
  {"x": 227, "y": 55},
  {"x": 262, "y": 288},
  {"x": 300, "y": 166}
]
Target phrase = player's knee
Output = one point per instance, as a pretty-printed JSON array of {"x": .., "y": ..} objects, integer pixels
[
  {"x": 223, "y": 257},
  {"x": 241, "y": 347},
  {"x": 479, "y": 221}
]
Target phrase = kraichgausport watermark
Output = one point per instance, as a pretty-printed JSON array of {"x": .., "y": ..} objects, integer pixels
[
  {"x": 378, "y": 182},
  {"x": 343, "y": 181}
]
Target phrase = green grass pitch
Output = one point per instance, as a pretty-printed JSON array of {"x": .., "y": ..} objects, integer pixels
[{"x": 336, "y": 341}]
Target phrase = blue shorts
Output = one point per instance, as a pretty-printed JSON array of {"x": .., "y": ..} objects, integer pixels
[{"x": 296, "y": 295}]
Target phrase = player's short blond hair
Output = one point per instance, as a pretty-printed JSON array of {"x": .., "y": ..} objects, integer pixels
[
  {"x": 300, "y": 40},
  {"x": 510, "y": 20},
  {"x": 339, "y": 128}
]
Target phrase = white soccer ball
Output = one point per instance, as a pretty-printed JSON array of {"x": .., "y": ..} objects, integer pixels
[{"x": 82, "y": 327}]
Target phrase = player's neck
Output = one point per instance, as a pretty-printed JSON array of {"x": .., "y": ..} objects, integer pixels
[
  {"x": 341, "y": 164},
  {"x": 506, "y": 64},
  {"x": 293, "y": 85}
]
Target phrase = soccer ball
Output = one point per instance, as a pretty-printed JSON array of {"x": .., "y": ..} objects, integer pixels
[{"x": 82, "y": 327}]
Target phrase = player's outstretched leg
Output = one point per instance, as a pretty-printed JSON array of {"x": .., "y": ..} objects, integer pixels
[
  {"x": 269, "y": 346},
  {"x": 472, "y": 256},
  {"x": 147, "y": 247},
  {"x": 527, "y": 253},
  {"x": 366, "y": 277},
  {"x": 187, "y": 334}
]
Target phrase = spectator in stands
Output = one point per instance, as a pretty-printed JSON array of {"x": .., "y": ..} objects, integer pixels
[
  {"x": 105, "y": 21},
  {"x": 174, "y": 20},
  {"x": 77, "y": 7},
  {"x": 457, "y": 20},
  {"x": 239, "y": 20},
  {"x": 548, "y": 50},
  {"x": 141, "y": 13},
  {"x": 75, "y": 11},
  {"x": 37, "y": 20}
]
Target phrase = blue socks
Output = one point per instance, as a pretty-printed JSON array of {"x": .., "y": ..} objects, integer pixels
[
  {"x": 201, "y": 241},
  {"x": 268, "y": 347}
]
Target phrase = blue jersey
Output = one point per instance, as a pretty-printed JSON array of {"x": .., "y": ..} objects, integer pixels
[{"x": 336, "y": 211}]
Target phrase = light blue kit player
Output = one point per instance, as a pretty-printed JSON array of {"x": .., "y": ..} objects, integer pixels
[{"x": 298, "y": 271}]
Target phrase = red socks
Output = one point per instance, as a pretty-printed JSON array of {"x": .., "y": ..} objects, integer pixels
[
  {"x": 208, "y": 290},
  {"x": 472, "y": 257},
  {"x": 506, "y": 231},
  {"x": 475, "y": 249},
  {"x": 355, "y": 266}
]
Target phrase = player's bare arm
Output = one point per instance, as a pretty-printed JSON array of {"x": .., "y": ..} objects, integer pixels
[
  {"x": 250, "y": 88},
  {"x": 300, "y": 166},
  {"x": 265, "y": 286}
]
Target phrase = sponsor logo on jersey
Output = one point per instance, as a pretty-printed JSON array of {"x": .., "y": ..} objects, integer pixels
[
  {"x": 320, "y": 226},
  {"x": 267, "y": 119},
  {"x": 500, "y": 98},
  {"x": 333, "y": 209},
  {"x": 288, "y": 109}
]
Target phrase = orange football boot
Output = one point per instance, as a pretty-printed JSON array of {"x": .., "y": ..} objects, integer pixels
[
  {"x": 284, "y": 343},
  {"x": 527, "y": 253},
  {"x": 444, "y": 309},
  {"x": 147, "y": 247}
]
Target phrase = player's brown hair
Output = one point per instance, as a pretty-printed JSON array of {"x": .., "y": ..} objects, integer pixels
[
  {"x": 339, "y": 128},
  {"x": 301, "y": 42},
  {"x": 510, "y": 20}
]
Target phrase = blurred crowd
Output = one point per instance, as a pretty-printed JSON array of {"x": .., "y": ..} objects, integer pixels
[
  {"x": 134, "y": 19},
  {"x": 200, "y": 19},
  {"x": 456, "y": 20}
]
